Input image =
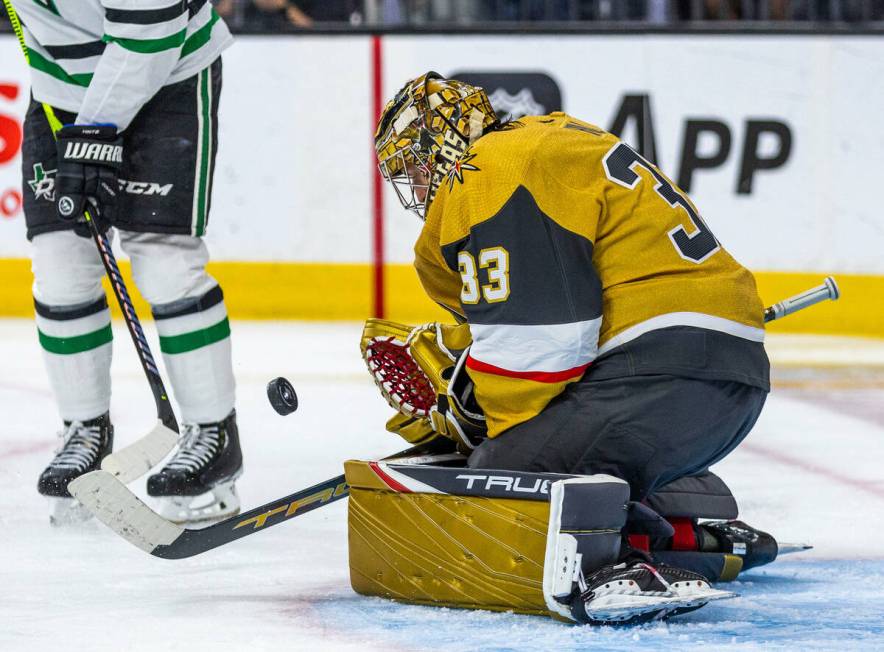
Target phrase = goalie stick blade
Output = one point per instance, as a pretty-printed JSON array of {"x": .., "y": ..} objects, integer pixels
[
  {"x": 136, "y": 459},
  {"x": 118, "y": 508},
  {"x": 789, "y": 548}
]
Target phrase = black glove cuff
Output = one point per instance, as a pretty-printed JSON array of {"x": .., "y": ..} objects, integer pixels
[{"x": 90, "y": 145}]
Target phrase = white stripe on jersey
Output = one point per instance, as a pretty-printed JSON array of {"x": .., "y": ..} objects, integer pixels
[
  {"x": 540, "y": 348},
  {"x": 148, "y": 44},
  {"x": 696, "y": 319}
]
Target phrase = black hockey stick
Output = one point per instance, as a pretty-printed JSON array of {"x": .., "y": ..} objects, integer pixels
[
  {"x": 139, "y": 457},
  {"x": 118, "y": 508},
  {"x": 123, "y": 512}
]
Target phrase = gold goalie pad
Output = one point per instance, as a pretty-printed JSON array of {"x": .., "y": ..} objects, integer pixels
[{"x": 454, "y": 537}]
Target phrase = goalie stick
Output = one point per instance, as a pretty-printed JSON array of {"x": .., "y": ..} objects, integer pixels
[
  {"x": 114, "y": 505},
  {"x": 136, "y": 459}
]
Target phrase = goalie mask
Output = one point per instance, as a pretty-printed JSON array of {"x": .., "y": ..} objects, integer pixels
[{"x": 424, "y": 130}]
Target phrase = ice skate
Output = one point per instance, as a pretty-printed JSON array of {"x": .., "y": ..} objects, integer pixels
[
  {"x": 197, "y": 484},
  {"x": 736, "y": 537},
  {"x": 84, "y": 445},
  {"x": 631, "y": 593}
]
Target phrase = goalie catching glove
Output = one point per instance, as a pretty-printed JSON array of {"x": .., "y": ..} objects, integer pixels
[{"x": 420, "y": 372}]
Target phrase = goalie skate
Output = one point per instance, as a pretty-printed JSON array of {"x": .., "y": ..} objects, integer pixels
[{"x": 638, "y": 593}]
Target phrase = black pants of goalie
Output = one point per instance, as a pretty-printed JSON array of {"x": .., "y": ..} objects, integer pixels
[{"x": 647, "y": 430}]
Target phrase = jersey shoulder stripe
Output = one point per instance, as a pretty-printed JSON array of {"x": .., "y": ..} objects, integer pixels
[{"x": 146, "y": 16}]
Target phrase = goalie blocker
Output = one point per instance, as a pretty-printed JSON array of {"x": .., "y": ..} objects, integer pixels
[{"x": 534, "y": 543}]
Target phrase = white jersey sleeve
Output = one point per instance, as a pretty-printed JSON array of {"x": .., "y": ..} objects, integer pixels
[
  {"x": 144, "y": 40},
  {"x": 104, "y": 59}
]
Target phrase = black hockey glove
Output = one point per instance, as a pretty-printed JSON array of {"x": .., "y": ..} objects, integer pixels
[{"x": 89, "y": 159}]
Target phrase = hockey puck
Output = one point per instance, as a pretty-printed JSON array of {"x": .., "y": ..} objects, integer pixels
[{"x": 282, "y": 396}]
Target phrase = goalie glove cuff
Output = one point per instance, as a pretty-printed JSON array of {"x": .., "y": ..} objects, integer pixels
[{"x": 456, "y": 414}]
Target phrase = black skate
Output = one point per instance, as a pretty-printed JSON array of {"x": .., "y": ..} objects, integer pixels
[
  {"x": 84, "y": 445},
  {"x": 735, "y": 537},
  {"x": 197, "y": 484},
  {"x": 637, "y": 592}
]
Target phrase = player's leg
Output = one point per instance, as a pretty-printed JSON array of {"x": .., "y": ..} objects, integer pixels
[
  {"x": 648, "y": 430},
  {"x": 684, "y": 424},
  {"x": 74, "y": 329},
  {"x": 191, "y": 318},
  {"x": 73, "y": 321},
  {"x": 168, "y": 190},
  {"x": 707, "y": 538}
]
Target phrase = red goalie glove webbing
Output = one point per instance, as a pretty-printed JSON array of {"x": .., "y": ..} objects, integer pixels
[{"x": 401, "y": 377}]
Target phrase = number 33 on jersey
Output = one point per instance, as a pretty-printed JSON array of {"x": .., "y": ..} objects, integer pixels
[{"x": 559, "y": 244}]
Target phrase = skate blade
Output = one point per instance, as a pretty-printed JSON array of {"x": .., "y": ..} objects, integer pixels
[
  {"x": 202, "y": 510},
  {"x": 789, "y": 548},
  {"x": 700, "y": 591},
  {"x": 624, "y": 607},
  {"x": 64, "y": 512}
]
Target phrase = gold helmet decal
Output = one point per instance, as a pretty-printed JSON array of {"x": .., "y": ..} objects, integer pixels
[{"x": 424, "y": 130}]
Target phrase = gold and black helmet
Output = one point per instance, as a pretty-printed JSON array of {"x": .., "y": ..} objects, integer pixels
[{"x": 427, "y": 127}]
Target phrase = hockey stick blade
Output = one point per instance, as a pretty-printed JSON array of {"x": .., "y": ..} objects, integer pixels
[
  {"x": 118, "y": 508},
  {"x": 121, "y": 510},
  {"x": 789, "y": 548},
  {"x": 138, "y": 458}
]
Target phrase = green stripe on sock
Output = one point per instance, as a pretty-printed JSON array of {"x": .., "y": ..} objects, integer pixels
[
  {"x": 38, "y": 62},
  {"x": 200, "y": 37},
  {"x": 76, "y": 344},
  {"x": 205, "y": 147},
  {"x": 148, "y": 45},
  {"x": 196, "y": 339}
]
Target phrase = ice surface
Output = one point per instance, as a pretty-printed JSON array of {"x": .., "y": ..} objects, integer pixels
[{"x": 811, "y": 471}]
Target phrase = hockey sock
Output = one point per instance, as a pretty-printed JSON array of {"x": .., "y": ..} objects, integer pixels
[
  {"x": 195, "y": 341},
  {"x": 77, "y": 346}
]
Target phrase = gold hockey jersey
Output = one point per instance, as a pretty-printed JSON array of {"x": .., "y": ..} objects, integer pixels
[{"x": 569, "y": 254}]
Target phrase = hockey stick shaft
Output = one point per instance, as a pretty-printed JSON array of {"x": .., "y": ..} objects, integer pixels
[
  {"x": 828, "y": 290},
  {"x": 122, "y": 511},
  {"x": 194, "y": 542},
  {"x": 136, "y": 332},
  {"x": 132, "y": 461}
]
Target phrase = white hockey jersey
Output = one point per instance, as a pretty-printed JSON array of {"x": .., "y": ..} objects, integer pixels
[{"x": 104, "y": 59}]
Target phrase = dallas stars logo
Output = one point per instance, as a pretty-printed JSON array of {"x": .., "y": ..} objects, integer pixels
[
  {"x": 43, "y": 183},
  {"x": 457, "y": 170}
]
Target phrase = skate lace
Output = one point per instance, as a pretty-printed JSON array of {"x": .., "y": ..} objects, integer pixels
[
  {"x": 80, "y": 446},
  {"x": 196, "y": 446}
]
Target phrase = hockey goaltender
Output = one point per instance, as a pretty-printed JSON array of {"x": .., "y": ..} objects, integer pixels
[{"x": 607, "y": 350}]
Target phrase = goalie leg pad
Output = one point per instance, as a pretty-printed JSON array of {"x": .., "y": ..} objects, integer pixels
[
  {"x": 586, "y": 517},
  {"x": 474, "y": 538}
]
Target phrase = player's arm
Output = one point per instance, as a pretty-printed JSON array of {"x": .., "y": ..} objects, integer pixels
[
  {"x": 144, "y": 42},
  {"x": 532, "y": 299}
]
